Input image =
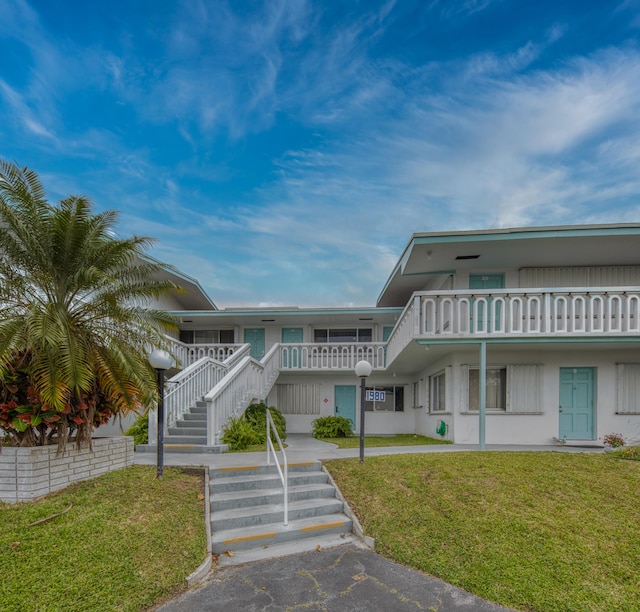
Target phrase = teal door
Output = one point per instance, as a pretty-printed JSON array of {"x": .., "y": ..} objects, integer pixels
[
  {"x": 485, "y": 281},
  {"x": 386, "y": 332},
  {"x": 291, "y": 357},
  {"x": 576, "y": 403},
  {"x": 346, "y": 402},
  {"x": 255, "y": 337}
]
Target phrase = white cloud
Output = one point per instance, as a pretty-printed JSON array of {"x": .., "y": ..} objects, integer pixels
[{"x": 491, "y": 139}]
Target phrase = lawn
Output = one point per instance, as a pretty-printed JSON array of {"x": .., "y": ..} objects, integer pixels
[
  {"x": 377, "y": 441},
  {"x": 533, "y": 531},
  {"x": 354, "y": 442},
  {"x": 126, "y": 541}
]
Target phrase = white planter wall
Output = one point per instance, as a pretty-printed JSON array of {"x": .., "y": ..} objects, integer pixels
[{"x": 29, "y": 473}]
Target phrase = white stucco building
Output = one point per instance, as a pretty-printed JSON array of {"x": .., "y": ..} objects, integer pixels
[{"x": 537, "y": 328}]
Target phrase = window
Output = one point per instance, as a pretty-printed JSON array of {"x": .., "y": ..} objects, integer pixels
[
  {"x": 516, "y": 388},
  {"x": 417, "y": 398},
  {"x": 496, "y": 389},
  {"x": 207, "y": 336},
  {"x": 343, "y": 335},
  {"x": 438, "y": 393},
  {"x": 385, "y": 399},
  {"x": 628, "y": 388}
]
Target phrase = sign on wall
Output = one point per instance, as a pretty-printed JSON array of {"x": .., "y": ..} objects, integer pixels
[{"x": 375, "y": 396}]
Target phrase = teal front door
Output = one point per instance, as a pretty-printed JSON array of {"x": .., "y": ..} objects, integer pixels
[
  {"x": 255, "y": 337},
  {"x": 291, "y": 357},
  {"x": 346, "y": 402},
  {"x": 485, "y": 281},
  {"x": 577, "y": 403}
]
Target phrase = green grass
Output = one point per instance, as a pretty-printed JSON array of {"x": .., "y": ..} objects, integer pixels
[
  {"x": 128, "y": 541},
  {"x": 373, "y": 441},
  {"x": 533, "y": 531}
]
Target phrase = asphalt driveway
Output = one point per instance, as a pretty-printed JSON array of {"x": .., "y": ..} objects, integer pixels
[{"x": 338, "y": 579}]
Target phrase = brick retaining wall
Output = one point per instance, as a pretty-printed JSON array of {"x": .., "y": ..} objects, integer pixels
[{"x": 29, "y": 473}]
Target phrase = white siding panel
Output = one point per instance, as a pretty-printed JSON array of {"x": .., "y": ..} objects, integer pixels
[
  {"x": 298, "y": 399},
  {"x": 600, "y": 276}
]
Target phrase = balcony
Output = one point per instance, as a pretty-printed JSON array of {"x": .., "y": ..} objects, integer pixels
[
  {"x": 326, "y": 356},
  {"x": 517, "y": 313}
]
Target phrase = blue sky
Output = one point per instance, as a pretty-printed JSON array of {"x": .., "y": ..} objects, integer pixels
[{"x": 283, "y": 152}]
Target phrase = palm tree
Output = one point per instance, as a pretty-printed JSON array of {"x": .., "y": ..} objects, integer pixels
[{"x": 75, "y": 321}]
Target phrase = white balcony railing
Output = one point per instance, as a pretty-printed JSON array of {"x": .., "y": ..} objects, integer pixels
[
  {"x": 322, "y": 356},
  {"x": 186, "y": 354},
  {"x": 501, "y": 313}
]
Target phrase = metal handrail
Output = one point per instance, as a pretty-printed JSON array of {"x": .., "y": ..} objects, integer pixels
[{"x": 283, "y": 477}]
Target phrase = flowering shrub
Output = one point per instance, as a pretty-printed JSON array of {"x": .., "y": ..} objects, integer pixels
[
  {"x": 614, "y": 440},
  {"x": 28, "y": 421}
]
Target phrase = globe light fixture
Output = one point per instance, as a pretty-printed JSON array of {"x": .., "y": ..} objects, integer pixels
[
  {"x": 160, "y": 361},
  {"x": 363, "y": 370}
]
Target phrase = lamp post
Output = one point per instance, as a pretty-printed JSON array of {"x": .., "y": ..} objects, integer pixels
[
  {"x": 363, "y": 369},
  {"x": 160, "y": 361}
]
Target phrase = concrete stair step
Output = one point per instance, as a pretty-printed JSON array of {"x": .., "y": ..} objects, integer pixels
[
  {"x": 248, "y": 483},
  {"x": 261, "y": 469},
  {"x": 262, "y": 536},
  {"x": 188, "y": 423},
  {"x": 189, "y": 420},
  {"x": 282, "y": 549},
  {"x": 171, "y": 439},
  {"x": 188, "y": 431},
  {"x": 262, "y": 497},
  {"x": 197, "y": 409},
  {"x": 236, "y": 518}
]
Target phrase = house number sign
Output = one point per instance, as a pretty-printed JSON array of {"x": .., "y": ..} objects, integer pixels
[{"x": 375, "y": 396}]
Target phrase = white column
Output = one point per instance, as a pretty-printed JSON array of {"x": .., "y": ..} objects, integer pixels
[{"x": 483, "y": 393}]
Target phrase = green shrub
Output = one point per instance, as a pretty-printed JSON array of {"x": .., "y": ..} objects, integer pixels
[
  {"x": 332, "y": 427},
  {"x": 239, "y": 433},
  {"x": 139, "y": 430},
  {"x": 256, "y": 414},
  {"x": 628, "y": 452}
]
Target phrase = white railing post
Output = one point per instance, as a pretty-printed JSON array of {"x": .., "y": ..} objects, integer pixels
[{"x": 417, "y": 330}]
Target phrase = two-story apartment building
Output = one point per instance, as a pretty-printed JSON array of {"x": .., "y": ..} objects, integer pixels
[{"x": 519, "y": 336}]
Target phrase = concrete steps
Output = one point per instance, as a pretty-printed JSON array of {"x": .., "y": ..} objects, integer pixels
[
  {"x": 247, "y": 512},
  {"x": 190, "y": 430},
  {"x": 188, "y": 436}
]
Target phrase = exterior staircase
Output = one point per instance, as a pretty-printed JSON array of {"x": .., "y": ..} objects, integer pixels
[
  {"x": 189, "y": 435},
  {"x": 190, "y": 430},
  {"x": 247, "y": 512}
]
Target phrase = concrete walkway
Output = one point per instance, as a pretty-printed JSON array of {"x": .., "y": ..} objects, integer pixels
[
  {"x": 344, "y": 578},
  {"x": 303, "y": 447}
]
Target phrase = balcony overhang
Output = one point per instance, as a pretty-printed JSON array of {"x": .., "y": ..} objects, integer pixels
[{"x": 430, "y": 257}]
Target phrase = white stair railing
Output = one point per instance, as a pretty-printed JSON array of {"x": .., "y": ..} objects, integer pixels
[
  {"x": 191, "y": 384},
  {"x": 249, "y": 380},
  {"x": 283, "y": 471}
]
